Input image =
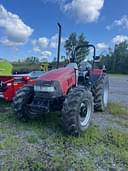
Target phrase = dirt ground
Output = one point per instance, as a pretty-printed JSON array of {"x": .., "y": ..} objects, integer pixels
[
  {"x": 118, "y": 89},
  {"x": 41, "y": 145}
]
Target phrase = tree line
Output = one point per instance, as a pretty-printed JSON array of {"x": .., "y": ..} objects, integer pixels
[{"x": 116, "y": 60}]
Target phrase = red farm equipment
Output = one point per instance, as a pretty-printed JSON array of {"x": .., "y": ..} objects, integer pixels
[
  {"x": 75, "y": 91},
  {"x": 10, "y": 84}
]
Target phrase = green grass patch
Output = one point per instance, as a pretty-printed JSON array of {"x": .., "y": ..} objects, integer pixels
[
  {"x": 32, "y": 139},
  {"x": 9, "y": 142},
  {"x": 117, "y": 109},
  {"x": 3, "y": 103},
  {"x": 118, "y": 144},
  {"x": 41, "y": 145},
  {"x": 118, "y": 75}
]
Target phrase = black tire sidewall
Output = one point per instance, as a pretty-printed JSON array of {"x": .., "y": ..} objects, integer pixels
[
  {"x": 98, "y": 91},
  {"x": 71, "y": 110},
  {"x": 19, "y": 108}
]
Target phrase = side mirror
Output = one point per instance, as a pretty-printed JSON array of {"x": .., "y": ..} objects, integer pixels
[{"x": 97, "y": 59}]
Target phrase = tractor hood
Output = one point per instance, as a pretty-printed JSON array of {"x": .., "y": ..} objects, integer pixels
[
  {"x": 57, "y": 74},
  {"x": 65, "y": 77}
]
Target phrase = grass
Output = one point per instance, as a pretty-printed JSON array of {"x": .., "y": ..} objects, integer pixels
[
  {"x": 41, "y": 145},
  {"x": 117, "y": 109},
  {"x": 4, "y": 103},
  {"x": 32, "y": 139},
  {"x": 9, "y": 142},
  {"x": 117, "y": 75}
]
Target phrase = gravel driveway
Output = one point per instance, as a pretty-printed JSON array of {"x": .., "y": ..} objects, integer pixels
[{"x": 118, "y": 89}]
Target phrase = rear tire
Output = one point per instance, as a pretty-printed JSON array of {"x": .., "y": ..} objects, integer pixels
[
  {"x": 101, "y": 95},
  {"x": 23, "y": 97},
  {"x": 77, "y": 111}
]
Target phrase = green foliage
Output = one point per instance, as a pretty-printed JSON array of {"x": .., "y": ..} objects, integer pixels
[
  {"x": 27, "y": 65},
  {"x": 31, "y": 60},
  {"x": 74, "y": 41},
  {"x": 116, "y": 60}
]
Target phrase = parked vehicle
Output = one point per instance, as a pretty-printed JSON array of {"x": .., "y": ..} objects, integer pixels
[
  {"x": 72, "y": 91},
  {"x": 35, "y": 74}
]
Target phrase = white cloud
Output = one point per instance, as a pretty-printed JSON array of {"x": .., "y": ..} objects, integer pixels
[
  {"x": 84, "y": 11},
  {"x": 46, "y": 54},
  {"x": 41, "y": 43},
  {"x": 16, "y": 31},
  {"x": 123, "y": 22},
  {"x": 54, "y": 41},
  {"x": 102, "y": 45},
  {"x": 36, "y": 49},
  {"x": 44, "y": 57},
  {"x": 10, "y": 43},
  {"x": 119, "y": 39}
]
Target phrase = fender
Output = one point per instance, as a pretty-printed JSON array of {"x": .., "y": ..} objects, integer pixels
[{"x": 96, "y": 75}]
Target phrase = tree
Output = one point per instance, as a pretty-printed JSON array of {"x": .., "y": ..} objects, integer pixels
[
  {"x": 74, "y": 41},
  {"x": 121, "y": 57},
  {"x": 82, "y": 52},
  {"x": 31, "y": 60},
  {"x": 116, "y": 60}
]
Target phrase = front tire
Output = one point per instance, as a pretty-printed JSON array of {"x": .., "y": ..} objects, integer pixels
[
  {"x": 22, "y": 98},
  {"x": 77, "y": 111}
]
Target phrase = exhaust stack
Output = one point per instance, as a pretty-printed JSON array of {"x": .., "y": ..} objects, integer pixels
[{"x": 59, "y": 44}]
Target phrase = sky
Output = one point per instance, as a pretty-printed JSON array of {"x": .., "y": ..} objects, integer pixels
[{"x": 29, "y": 27}]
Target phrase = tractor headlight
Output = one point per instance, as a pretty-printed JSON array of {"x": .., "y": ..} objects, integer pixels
[
  {"x": 38, "y": 88},
  {"x": 47, "y": 89}
]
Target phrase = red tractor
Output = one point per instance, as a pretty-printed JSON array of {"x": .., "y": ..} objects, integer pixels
[{"x": 75, "y": 91}]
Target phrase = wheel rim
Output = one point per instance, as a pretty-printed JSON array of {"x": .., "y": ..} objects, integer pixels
[
  {"x": 85, "y": 112},
  {"x": 105, "y": 96}
]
